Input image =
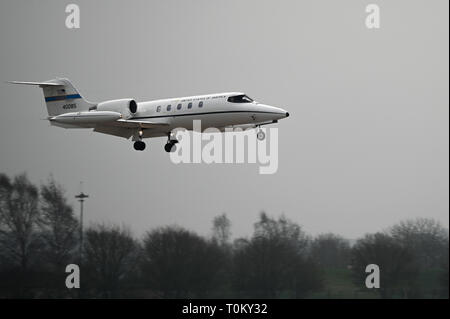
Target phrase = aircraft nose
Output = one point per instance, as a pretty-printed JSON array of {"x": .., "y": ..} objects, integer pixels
[
  {"x": 283, "y": 112},
  {"x": 278, "y": 112}
]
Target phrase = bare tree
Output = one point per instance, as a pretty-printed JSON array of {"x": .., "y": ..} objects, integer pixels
[
  {"x": 58, "y": 225},
  {"x": 110, "y": 256},
  {"x": 19, "y": 214},
  {"x": 395, "y": 261},
  {"x": 331, "y": 251},
  {"x": 222, "y": 229},
  {"x": 274, "y": 261},
  {"x": 178, "y": 263},
  {"x": 426, "y": 238},
  {"x": 443, "y": 275}
]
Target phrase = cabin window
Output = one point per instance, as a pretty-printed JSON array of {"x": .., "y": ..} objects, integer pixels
[
  {"x": 190, "y": 105},
  {"x": 169, "y": 107},
  {"x": 179, "y": 106},
  {"x": 242, "y": 98},
  {"x": 200, "y": 104},
  {"x": 158, "y": 109}
]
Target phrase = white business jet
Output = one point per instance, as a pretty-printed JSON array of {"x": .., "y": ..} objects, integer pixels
[{"x": 128, "y": 118}]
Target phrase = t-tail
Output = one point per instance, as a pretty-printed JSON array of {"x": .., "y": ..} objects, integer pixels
[{"x": 61, "y": 96}]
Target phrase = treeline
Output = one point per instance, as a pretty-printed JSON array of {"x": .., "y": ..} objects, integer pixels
[{"x": 39, "y": 236}]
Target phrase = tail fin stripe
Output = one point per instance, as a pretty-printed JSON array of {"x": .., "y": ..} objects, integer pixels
[{"x": 63, "y": 97}]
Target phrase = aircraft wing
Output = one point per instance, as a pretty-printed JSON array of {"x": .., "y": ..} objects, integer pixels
[
  {"x": 125, "y": 128},
  {"x": 139, "y": 124}
]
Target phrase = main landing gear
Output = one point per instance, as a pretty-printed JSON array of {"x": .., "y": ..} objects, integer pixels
[
  {"x": 138, "y": 144},
  {"x": 170, "y": 145}
]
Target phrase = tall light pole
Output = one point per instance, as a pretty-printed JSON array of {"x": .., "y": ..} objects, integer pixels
[{"x": 81, "y": 197}]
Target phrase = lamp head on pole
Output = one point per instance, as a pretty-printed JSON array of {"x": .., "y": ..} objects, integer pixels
[{"x": 81, "y": 196}]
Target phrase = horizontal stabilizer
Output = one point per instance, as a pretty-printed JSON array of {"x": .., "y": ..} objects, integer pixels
[{"x": 41, "y": 84}]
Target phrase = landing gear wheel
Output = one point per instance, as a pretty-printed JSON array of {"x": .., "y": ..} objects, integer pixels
[
  {"x": 139, "y": 146},
  {"x": 170, "y": 147},
  {"x": 261, "y": 135}
]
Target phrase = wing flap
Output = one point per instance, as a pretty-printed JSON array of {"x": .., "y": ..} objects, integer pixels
[
  {"x": 139, "y": 124},
  {"x": 114, "y": 130}
]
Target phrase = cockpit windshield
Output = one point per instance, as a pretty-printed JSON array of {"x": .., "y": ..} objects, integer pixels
[{"x": 242, "y": 98}]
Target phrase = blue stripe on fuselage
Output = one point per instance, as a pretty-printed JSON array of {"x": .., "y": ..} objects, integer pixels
[{"x": 62, "y": 97}]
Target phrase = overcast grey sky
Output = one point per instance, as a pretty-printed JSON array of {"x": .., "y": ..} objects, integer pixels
[{"x": 366, "y": 144}]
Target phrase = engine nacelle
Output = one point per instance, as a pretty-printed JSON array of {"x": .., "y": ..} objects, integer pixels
[{"x": 126, "y": 107}]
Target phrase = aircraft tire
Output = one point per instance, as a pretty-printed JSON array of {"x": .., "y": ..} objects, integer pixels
[
  {"x": 139, "y": 146},
  {"x": 261, "y": 135}
]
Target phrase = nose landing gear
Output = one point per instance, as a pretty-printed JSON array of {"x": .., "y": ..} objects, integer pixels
[
  {"x": 260, "y": 135},
  {"x": 170, "y": 147}
]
